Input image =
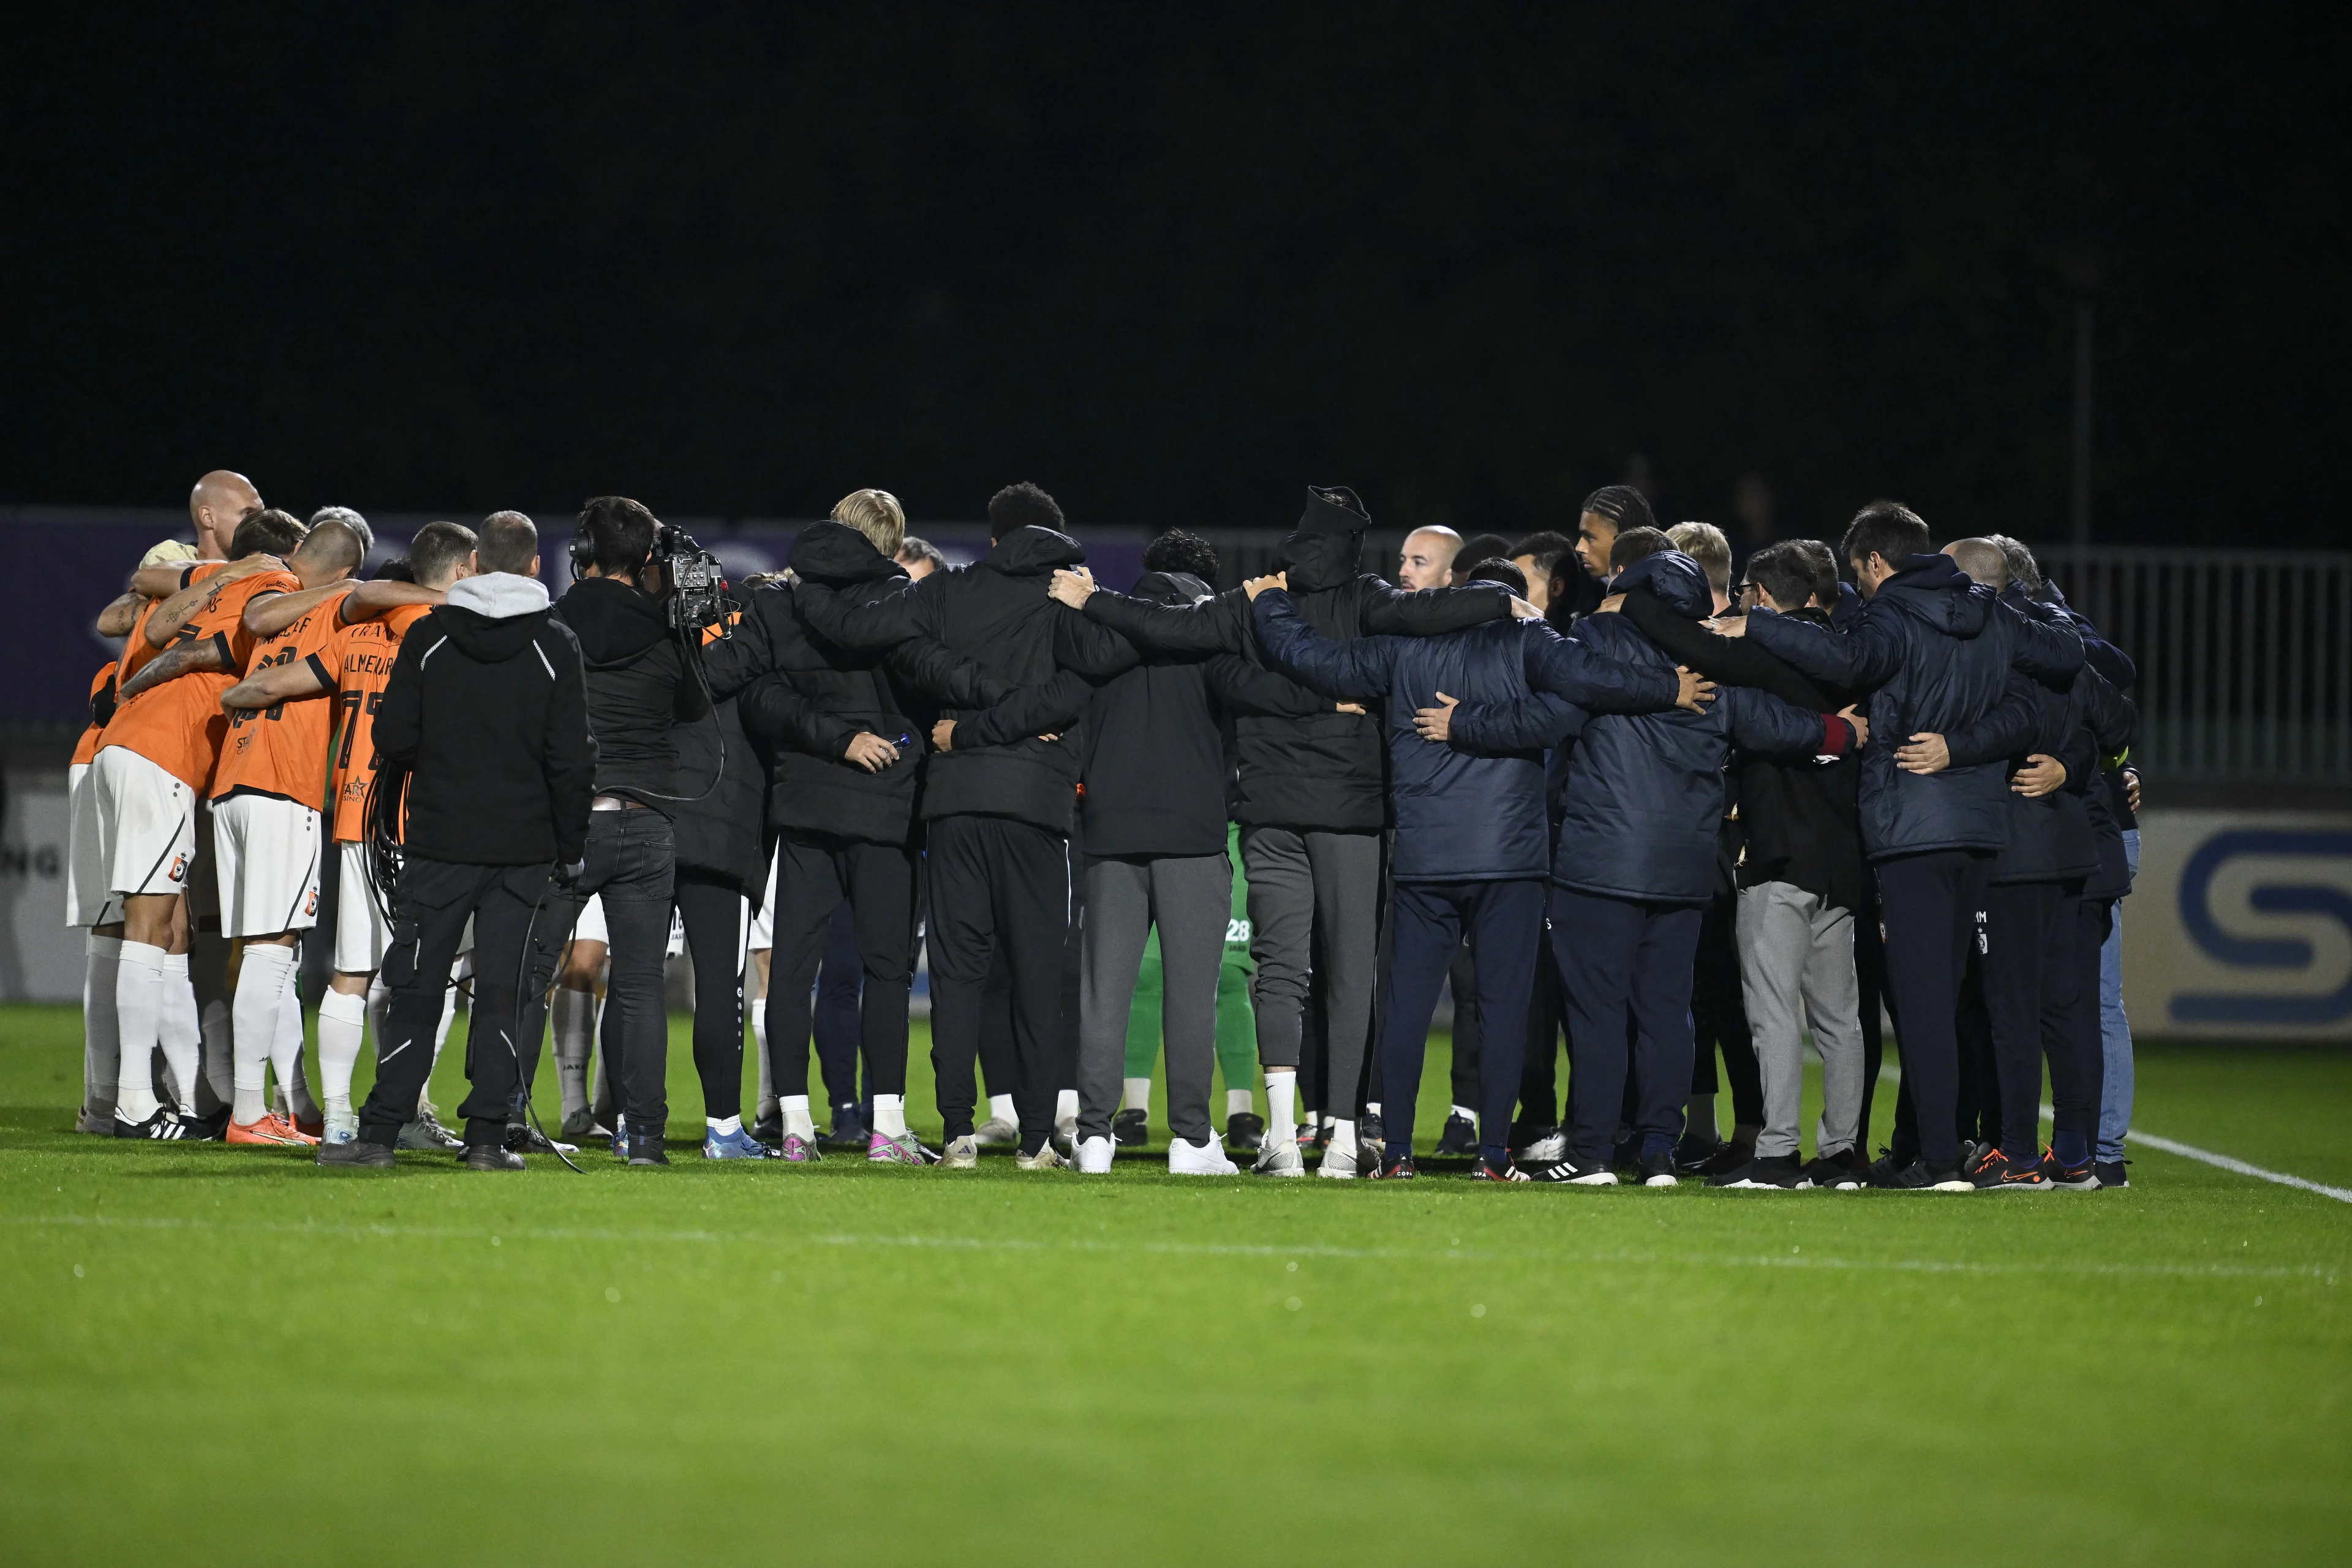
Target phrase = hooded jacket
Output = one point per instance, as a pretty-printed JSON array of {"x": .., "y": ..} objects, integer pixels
[
  {"x": 998, "y": 615},
  {"x": 1154, "y": 756},
  {"x": 639, "y": 688},
  {"x": 1644, "y": 807},
  {"x": 721, "y": 783},
  {"x": 486, "y": 707},
  {"x": 1934, "y": 651},
  {"x": 1301, "y": 763},
  {"x": 808, "y": 698},
  {"x": 1463, "y": 814}
]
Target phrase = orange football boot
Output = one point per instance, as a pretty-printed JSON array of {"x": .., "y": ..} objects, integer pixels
[{"x": 270, "y": 1129}]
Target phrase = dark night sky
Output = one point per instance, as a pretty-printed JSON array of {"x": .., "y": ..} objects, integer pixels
[{"x": 1175, "y": 262}]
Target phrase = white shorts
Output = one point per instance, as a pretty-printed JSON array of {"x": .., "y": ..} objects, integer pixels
[
  {"x": 89, "y": 901},
  {"x": 266, "y": 852},
  {"x": 590, "y": 926},
  {"x": 146, "y": 824},
  {"x": 363, "y": 935},
  {"x": 763, "y": 920}
]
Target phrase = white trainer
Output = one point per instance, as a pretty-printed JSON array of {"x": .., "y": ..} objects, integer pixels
[
  {"x": 961, "y": 1154},
  {"x": 996, "y": 1130},
  {"x": 1047, "y": 1158},
  {"x": 1280, "y": 1160},
  {"x": 1548, "y": 1150},
  {"x": 1346, "y": 1161},
  {"x": 1094, "y": 1155},
  {"x": 1206, "y": 1159}
]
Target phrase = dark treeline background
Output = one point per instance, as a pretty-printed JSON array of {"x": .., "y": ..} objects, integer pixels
[{"x": 1173, "y": 262}]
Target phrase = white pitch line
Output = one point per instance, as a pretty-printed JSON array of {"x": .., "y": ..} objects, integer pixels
[
  {"x": 377, "y": 1231},
  {"x": 2231, "y": 1162}
]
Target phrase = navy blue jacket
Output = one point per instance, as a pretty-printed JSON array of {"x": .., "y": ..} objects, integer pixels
[
  {"x": 1934, "y": 650},
  {"x": 1644, "y": 807},
  {"x": 1461, "y": 816}
]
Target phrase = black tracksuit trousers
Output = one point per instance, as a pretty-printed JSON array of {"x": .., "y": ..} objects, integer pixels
[
  {"x": 712, "y": 911},
  {"x": 428, "y": 921},
  {"x": 1504, "y": 922},
  {"x": 1720, "y": 1015},
  {"x": 835, "y": 1024},
  {"x": 1928, "y": 903},
  {"x": 814, "y": 874},
  {"x": 999, "y": 885},
  {"x": 1625, "y": 964}
]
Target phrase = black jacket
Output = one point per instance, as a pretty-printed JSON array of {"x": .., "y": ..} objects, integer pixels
[
  {"x": 639, "y": 687},
  {"x": 1934, "y": 651},
  {"x": 1300, "y": 762},
  {"x": 1465, "y": 812},
  {"x": 998, "y": 615},
  {"x": 486, "y": 706},
  {"x": 1795, "y": 819},
  {"x": 1154, "y": 756},
  {"x": 808, "y": 698},
  {"x": 1642, "y": 813},
  {"x": 721, "y": 783}
]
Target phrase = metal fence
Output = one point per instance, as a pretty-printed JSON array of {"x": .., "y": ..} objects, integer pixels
[{"x": 2245, "y": 657}]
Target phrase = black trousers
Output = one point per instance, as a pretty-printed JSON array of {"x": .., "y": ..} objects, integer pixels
[
  {"x": 1538, "y": 1065},
  {"x": 813, "y": 875},
  {"x": 1870, "y": 979},
  {"x": 840, "y": 982},
  {"x": 1928, "y": 904},
  {"x": 712, "y": 911},
  {"x": 2072, "y": 1035},
  {"x": 998, "y": 886},
  {"x": 1469, "y": 1037},
  {"x": 1504, "y": 920},
  {"x": 1627, "y": 965},
  {"x": 1720, "y": 1015},
  {"x": 428, "y": 921}
]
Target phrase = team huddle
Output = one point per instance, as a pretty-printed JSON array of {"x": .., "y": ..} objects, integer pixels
[{"x": 1605, "y": 786}]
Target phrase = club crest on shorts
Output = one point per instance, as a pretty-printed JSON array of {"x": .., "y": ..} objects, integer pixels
[{"x": 179, "y": 871}]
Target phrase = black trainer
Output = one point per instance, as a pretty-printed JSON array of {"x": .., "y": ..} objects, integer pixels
[
  {"x": 1697, "y": 1152},
  {"x": 2064, "y": 1178},
  {"x": 1997, "y": 1172},
  {"x": 1569, "y": 1173},
  {"x": 1920, "y": 1176},
  {"x": 1842, "y": 1172},
  {"x": 1397, "y": 1169},
  {"x": 485, "y": 1157},
  {"x": 645, "y": 1146},
  {"x": 208, "y": 1128},
  {"x": 1369, "y": 1129},
  {"x": 848, "y": 1130},
  {"x": 359, "y": 1154},
  {"x": 1657, "y": 1169},
  {"x": 1460, "y": 1137},
  {"x": 1775, "y": 1173},
  {"x": 1245, "y": 1131},
  {"x": 1485, "y": 1170},
  {"x": 163, "y": 1127},
  {"x": 1131, "y": 1129},
  {"x": 2112, "y": 1173},
  {"x": 770, "y": 1129}
]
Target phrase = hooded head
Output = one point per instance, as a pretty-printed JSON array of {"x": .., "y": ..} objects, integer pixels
[
  {"x": 1676, "y": 579},
  {"x": 836, "y": 553},
  {"x": 1325, "y": 550}
]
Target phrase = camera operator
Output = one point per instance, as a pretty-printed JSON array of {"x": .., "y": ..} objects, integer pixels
[
  {"x": 485, "y": 709},
  {"x": 640, "y": 685}
]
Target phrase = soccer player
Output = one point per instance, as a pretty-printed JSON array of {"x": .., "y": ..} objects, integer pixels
[
  {"x": 364, "y": 624},
  {"x": 268, "y": 792},
  {"x": 153, "y": 762}
]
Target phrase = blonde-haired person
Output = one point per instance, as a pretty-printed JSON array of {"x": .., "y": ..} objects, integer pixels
[
  {"x": 1704, "y": 543},
  {"x": 842, "y": 798}
]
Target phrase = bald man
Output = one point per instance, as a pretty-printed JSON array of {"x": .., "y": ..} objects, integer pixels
[
  {"x": 220, "y": 500},
  {"x": 1427, "y": 559}
]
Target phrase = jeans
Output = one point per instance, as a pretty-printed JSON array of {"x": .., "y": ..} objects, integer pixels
[
  {"x": 2115, "y": 1028},
  {"x": 632, "y": 861}
]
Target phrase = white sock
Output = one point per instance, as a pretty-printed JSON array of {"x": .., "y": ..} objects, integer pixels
[
  {"x": 343, "y": 1030},
  {"x": 1000, "y": 1108},
  {"x": 260, "y": 998},
  {"x": 795, "y": 1108},
  {"x": 891, "y": 1115},
  {"x": 1700, "y": 1117},
  {"x": 179, "y": 1029},
  {"x": 1343, "y": 1136},
  {"x": 441, "y": 1029},
  {"x": 1281, "y": 1101},
  {"x": 575, "y": 1042},
  {"x": 138, "y": 992},
  {"x": 1465, "y": 1112},
  {"x": 1372, "y": 1108},
  {"x": 101, "y": 1040},
  {"x": 1066, "y": 1106},
  {"x": 724, "y": 1126},
  {"x": 1239, "y": 1101},
  {"x": 286, "y": 1053},
  {"x": 379, "y": 997},
  {"x": 1138, "y": 1094}
]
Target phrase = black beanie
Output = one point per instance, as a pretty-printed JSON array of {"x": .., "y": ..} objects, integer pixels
[{"x": 1333, "y": 508}]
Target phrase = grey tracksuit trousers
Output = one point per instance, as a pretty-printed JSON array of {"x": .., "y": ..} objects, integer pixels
[
  {"x": 1189, "y": 898},
  {"x": 1796, "y": 959},
  {"x": 1315, "y": 902}
]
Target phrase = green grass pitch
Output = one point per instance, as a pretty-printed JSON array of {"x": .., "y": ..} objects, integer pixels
[{"x": 217, "y": 1354}]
